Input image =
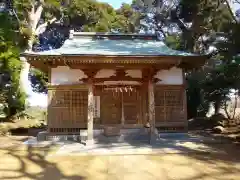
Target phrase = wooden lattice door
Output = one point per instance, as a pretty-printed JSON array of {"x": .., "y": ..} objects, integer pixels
[
  {"x": 110, "y": 108},
  {"x": 131, "y": 106}
]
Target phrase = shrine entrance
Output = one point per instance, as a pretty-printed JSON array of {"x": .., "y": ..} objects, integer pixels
[{"x": 119, "y": 105}]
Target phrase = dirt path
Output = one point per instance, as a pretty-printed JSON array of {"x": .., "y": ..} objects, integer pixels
[{"x": 37, "y": 165}]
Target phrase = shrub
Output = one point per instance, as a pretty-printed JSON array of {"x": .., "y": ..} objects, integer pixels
[
  {"x": 198, "y": 123},
  {"x": 4, "y": 129},
  {"x": 216, "y": 120}
]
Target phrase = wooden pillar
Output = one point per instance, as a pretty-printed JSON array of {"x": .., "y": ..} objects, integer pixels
[
  {"x": 49, "y": 109},
  {"x": 185, "y": 101},
  {"x": 122, "y": 115},
  {"x": 151, "y": 111},
  {"x": 144, "y": 92},
  {"x": 50, "y": 94},
  {"x": 90, "y": 114},
  {"x": 90, "y": 83},
  {"x": 149, "y": 80}
]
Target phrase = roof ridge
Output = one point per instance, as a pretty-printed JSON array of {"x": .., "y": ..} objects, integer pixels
[{"x": 110, "y": 35}]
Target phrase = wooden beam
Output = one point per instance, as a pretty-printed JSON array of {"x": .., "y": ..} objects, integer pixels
[
  {"x": 164, "y": 66},
  {"x": 101, "y": 80}
]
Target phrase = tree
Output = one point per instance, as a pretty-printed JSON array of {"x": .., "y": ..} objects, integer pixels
[
  {"x": 199, "y": 27},
  {"x": 27, "y": 22},
  {"x": 81, "y": 15},
  {"x": 127, "y": 20},
  {"x": 11, "y": 98}
]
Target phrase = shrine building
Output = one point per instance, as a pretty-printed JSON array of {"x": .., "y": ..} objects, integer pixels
[{"x": 99, "y": 80}]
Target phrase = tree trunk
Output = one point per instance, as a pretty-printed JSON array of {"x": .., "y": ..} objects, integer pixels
[
  {"x": 217, "y": 107},
  {"x": 226, "y": 110},
  {"x": 34, "y": 17},
  {"x": 235, "y": 106}
]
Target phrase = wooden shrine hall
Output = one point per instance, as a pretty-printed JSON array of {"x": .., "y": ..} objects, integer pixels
[{"x": 100, "y": 80}]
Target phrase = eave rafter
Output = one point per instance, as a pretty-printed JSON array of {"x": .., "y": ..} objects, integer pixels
[{"x": 78, "y": 62}]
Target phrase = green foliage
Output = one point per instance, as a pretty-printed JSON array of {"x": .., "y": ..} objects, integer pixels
[
  {"x": 39, "y": 80},
  {"x": 12, "y": 99},
  {"x": 99, "y": 17},
  {"x": 174, "y": 42},
  {"x": 217, "y": 119},
  {"x": 188, "y": 25}
]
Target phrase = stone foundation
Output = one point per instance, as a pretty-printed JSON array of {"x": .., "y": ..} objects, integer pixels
[{"x": 110, "y": 133}]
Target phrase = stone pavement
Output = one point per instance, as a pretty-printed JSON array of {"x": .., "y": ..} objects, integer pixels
[{"x": 133, "y": 143}]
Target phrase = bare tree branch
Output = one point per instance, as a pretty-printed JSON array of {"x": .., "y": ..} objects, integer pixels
[
  {"x": 226, "y": 111},
  {"x": 37, "y": 16},
  {"x": 235, "y": 105},
  {"x": 231, "y": 10},
  {"x": 41, "y": 28}
]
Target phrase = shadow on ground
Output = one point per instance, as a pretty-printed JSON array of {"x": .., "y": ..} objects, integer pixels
[
  {"x": 30, "y": 163},
  {"x": 196, "y": 158}
]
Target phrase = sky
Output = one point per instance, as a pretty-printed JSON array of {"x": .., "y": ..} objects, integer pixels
[
  {"x": 37, "y": 99},
  {"x": 116, "y": 3}
]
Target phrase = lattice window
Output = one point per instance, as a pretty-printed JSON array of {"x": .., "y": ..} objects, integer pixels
[
  {"x": 79, "y": 106},
  {"x": 173, "y": 105},
  {"x": 169, "y": 104},
  {"x": 159, "y": 105},
  {"x": 173, "y": 97},
  {"x": 68, "y": 109},
  {"x": 79, "y": 98},
  {"x": 159, "y": 98},
  {"x": 65, "y": 130},
  {"x": 60, "y": 99},
  {"x": 160, "y": 113}
]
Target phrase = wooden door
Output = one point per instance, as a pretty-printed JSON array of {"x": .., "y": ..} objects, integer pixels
[
  {"x": 110, "y": 108},
  {"x": 131, "y": 105}
]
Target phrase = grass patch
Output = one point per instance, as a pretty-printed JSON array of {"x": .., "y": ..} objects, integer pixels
[
  {"x": 31, "y": 118},
  {"x": 20, "y": 127}
]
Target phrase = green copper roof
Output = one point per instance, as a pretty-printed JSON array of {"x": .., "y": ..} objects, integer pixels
[{"x": 88, "y": 44}]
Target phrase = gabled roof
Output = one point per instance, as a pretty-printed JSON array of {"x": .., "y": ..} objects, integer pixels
[{"x": 110, "y": 44}]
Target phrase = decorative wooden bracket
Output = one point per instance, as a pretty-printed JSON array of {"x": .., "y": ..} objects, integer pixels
[
  {"x": 149, "y": 73},
  {"x": 120, "y": 76},
  {"x": 90, "y": 73}
]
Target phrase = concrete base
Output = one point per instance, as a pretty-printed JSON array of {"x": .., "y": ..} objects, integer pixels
[
  {"x": 111, "y": 131},
  {"x": 154, "y": 136},
  {"x": 42, "y": 136},
  {"x": 63, "y": 138},
  {"x": 89, "y": 142}
]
